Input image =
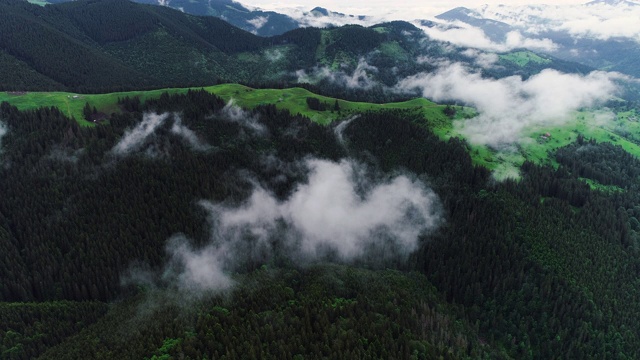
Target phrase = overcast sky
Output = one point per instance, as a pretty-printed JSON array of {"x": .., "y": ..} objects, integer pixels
[{"x": 394, "y": 9}]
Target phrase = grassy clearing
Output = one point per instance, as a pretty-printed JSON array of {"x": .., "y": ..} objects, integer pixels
[
  {"x": 522, "y": 58},
  {"x": 535, "y": 146},
  {"x": 293, "y": 99},
  {"x": 622, "y": 129},
  {"x": 39, "y": 2},
  {"x": 594, "y": 185}
]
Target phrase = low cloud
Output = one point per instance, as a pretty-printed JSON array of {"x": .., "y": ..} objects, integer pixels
[
  {"x": 273, "y": 55},
  {"x": 339, "y": 129},
  {"x": 142, "y": 136},
  {"x": 599, "y": 20},
  {"x": 135, "y": 138},
  {"x": 235, "y": 113},
  {"x": 258, "y": 22},
  {"x": 340, "y": 212},
  {"x": 510, "y": 105},
  {"x": 359, "y": 79},
  {"x": 483, "y": 59},
  {"x": 465, "y": 35},
  {"x": 3, "y": 131},
  {"x": 188, "y": 135}
]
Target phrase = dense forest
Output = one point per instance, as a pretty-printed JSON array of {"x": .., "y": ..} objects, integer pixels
[{"x": 544, "y": 267}]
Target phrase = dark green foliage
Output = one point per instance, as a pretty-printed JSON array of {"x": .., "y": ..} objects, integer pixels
[
  {"x": 317, "y": 312},
  {"x": 112, "y": 45},
  {"x": 315, "y": 104},
  {"x": 28, "y": 329},
  {"x": 540, "y": 268}
]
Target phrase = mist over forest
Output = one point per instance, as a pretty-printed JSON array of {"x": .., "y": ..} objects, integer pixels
[{"x": 312, "y": 184}]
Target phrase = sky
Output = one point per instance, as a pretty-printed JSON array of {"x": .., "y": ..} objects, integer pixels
[{"x": 399, "y": 10}]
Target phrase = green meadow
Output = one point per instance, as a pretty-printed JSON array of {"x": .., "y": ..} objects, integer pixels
[{"x": 622, "y": 129}]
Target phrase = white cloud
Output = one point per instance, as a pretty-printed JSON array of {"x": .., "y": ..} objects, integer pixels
[
  {"x": 135, "y": 138},
  {"x": 600, "y": 21},
  {"x": 195, "y": 270},
  {"x": 339, "y": 211},
  {"x": 328, "y": 212},
  {"x": 188, "y": 135},
  {"x": 465, "y": 35},
  {"x": 258, "y": 22},
  {"x": 510, "y": 105},
  {"x": 360, "y": 78},
  {"x": 3, "y": 131},
  {"x": 482, "y": 59},
  {"x": 273, "y": 55},
  {"x": 382, "y": 9},
  {"x": 234, "y": 113},
  {"x": 145, "y": 132}
]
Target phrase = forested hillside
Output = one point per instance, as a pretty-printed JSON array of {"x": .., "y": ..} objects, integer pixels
[
  {"x": 114, "y": 45},
  {"x": 541, "y": 268}
]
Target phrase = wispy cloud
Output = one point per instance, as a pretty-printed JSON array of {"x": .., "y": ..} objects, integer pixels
[
  {"x": 360, "y": 78},
  {"x": 3, "y": 131},
  {"x": 235, "y": 113},
  {"x": 135, "y": 138},
  {"x": 258, "y": 22},
  {"x": 600, "y": 20},
  {"x": 142, "y": 136},
  {"x": 465, "y": 35},
  {"x": 339, "y": 211},
  {"x": 188, "y": 135},
  {"x": 510, "y": 105}
]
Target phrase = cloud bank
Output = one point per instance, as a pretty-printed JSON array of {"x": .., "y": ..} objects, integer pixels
[
  {"x": 339, "y": 212},
  {"x": 236, "y": 114},
  {"x": 359, "y": 79},
  {"x": 144, "y": 133},
  {"x": 510, "y": 105},
  {"x": 465, "y": 35},
  {"x": 598, "y": 20}
]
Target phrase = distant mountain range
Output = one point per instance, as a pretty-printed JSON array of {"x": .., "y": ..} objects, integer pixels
[
  {"x": 602, "y": 51},
  {"x": 496, "y": 23},
  {"x": 110, "y": 45}
]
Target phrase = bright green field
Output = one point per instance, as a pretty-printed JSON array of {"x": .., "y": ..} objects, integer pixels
[
  {"x": 522, "y": 58},
  {"x": 39, "y": 2},
  {"x": 624, "y": 130},
  {"x": 293, "y": 99}
]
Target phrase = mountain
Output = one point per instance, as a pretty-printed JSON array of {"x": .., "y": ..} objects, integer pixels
[
  {"x": 178, "y": 225},
  {"x": 263, "y": 23},
  {"x": 602, "y": 44},
  {"x": 612, "y": 3},
  {"x": 109, "y": 45},
  {"x": 495, "y": 30}
]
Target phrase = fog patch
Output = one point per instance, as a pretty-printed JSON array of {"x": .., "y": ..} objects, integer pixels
[
  {"x": 600, "y": 21},
  {"x": 341, "y": 127},
  {"x": 188, "y": 135},
  {"x": 340, "y": 211},
  {"x": 3, "y": 131},
  {"x": 135, "y": 138},
  {"x": 483, "y": 59},
  {"x": 464, "y": 35},
  {"x": 143, "y": 136},
  {"x": 65, "y": 155},
  {"x": 359, "y": 79},
  {"x": 235, "y": 113},
  {"x": 509, "y": 105},
  {"x": 273, "y": 55},
  {"x": 258, "y": 22}
]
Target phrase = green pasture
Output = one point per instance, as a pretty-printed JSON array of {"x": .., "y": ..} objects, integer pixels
[
  {"x": 622, "y": 129},
  {"x": 522, "y": 58}
]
